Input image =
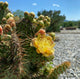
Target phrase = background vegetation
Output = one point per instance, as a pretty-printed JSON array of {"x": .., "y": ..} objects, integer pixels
[{"x": 57, "y": 19}]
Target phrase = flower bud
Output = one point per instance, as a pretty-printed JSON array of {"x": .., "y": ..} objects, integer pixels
[
  {"x": 41, "y": 31},
  {"x": 48, "y": 23},
  {"x": 41, "y": 17},
  {"x": 30, "y": 18},
  {"x": 48, "y": 18},
  {"x": 9, "y": 15},
  {"x": 45, "y": 21},
  {"x": 41, "y": 23},
  {"x": 5, "y": 5},
  {"x": 1, "y": 3},
  {"x": 32, "y": 14},
  {"x": 1, "y": 30},
  {"x": 26, "y": 14},
  {"x": 34, "y": 20},
  {"x": 3, "y": 19},
  {"x": 52, "y": 34}
]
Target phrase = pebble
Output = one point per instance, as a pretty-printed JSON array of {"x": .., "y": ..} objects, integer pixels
[{"x": 68, "y": 49}]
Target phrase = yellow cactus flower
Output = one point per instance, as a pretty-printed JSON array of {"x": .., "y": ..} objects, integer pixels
[{"x": 44, "y": 45}]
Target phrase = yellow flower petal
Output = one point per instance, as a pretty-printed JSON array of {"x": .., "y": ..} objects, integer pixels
[{"x": 44, "y": 45}]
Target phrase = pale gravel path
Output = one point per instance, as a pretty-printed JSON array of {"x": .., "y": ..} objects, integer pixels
[{"x": 68, "y": 49}]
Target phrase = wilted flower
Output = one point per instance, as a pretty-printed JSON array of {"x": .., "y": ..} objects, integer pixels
[
  {"x": 7, "y": 28},
  {"x": 1, "y": 30},
  {"x": 44, "y": 45},
  {"x": 11, "y": 21},
  {"x": 12, "y": 24}
]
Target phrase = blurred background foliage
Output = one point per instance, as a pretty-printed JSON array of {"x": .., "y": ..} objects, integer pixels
[{"x": 57, "y": 19}]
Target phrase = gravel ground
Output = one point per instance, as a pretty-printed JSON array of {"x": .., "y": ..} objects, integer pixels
[{"x": 68, "y": 49}]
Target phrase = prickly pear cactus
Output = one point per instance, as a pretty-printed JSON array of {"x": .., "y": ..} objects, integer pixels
[{"x": 26, "y": 50}]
